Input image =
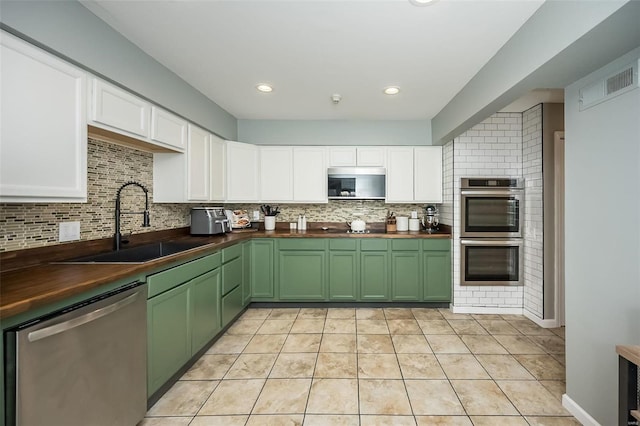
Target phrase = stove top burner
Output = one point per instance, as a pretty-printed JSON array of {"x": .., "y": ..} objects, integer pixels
[{"x": 349, "y": 231}]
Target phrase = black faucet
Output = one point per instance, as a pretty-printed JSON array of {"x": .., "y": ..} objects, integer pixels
[{"x": 117, "y": 237}]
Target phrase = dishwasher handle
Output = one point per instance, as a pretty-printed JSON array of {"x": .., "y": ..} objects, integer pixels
[{"x": 83, "y": 319}]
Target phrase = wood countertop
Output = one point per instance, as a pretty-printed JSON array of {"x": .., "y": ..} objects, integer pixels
[
  {"x": 630, "y": 353},
  {"x": 29, "y": 281}
]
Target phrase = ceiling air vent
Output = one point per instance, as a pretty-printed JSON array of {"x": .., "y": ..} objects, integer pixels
[{"x": 609, "y": 87}]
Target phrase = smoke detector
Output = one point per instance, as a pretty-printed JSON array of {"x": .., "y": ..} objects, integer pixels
[{"x": 336, "y": 98}]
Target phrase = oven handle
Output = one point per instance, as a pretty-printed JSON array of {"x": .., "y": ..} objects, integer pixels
[
  {"x": 491, "y": 192},
  {"x": 485, "y": 242}
]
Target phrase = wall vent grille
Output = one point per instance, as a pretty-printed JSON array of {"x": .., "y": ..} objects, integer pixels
[
  {"x": 620, "y": 81},
  {"x": 609, "y": 87}
]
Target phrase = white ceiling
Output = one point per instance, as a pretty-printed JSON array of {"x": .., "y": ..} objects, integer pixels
[{"x": 309, "y": 50}]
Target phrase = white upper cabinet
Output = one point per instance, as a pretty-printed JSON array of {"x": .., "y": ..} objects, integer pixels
[
  {"x": 242, "y": 172},
  {"x": 342, "y": 156},
  {"x": 217, "y": 169},
  {"x": 373, "y": 156},
  {"x": 198, "y": 178},
  {"x": 399, "y": 175},
  {"x": 43, "y": 136},
  {"x": 309, "y": 175},
  {"x": 168, "y": 129},
  {"x": 351, "y": 156},
  {"x": 428, "y": 174},
  {"x": 276, "y": 173},
  {"x": 117, "y": 109},
  {"x": 199, "y": 174}
]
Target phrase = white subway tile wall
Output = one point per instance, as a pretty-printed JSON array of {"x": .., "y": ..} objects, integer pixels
[
  {"x": 533, "y": 208},
  {"x": 490, "y": 148},
  {"x": 446, "y": 210}
]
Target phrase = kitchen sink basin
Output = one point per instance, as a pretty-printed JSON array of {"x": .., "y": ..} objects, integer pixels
[{"x": 139, "y": 254}]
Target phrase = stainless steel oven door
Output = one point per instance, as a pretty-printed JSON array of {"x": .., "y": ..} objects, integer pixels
[
  {"x": 491, "y": 262},
  {"x": 492, "y": 213}
]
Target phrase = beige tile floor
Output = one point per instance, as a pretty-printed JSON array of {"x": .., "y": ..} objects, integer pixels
[{"x": 366, "y": 366}]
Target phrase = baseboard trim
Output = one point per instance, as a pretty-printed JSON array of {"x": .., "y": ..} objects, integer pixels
[
  {"x": 544, "y": 323},
  {"x": 485, "y": 310},
  {"x": 578, "y": 412}
]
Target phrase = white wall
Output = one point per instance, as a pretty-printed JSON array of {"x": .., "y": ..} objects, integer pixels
[
  {"x": 602, "y": 166},
  {"x": 533, "y": 208}
]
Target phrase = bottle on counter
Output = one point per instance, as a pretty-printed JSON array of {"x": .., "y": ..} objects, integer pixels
[
  {"x": 304, "y": 222},
  {"x": 300, "y": 222}
]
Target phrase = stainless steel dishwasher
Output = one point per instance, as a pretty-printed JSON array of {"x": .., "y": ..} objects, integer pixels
[{"x": 82, "y": 365}]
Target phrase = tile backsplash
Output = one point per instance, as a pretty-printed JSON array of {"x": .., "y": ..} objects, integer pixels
[{"x": 109, "y": 166}]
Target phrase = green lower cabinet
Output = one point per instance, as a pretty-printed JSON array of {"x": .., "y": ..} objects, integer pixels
[
  {"x": 231, "y": 275},
  {"x": 231, "y": 305},
  {"x": 437, "y": 276},
  {"x": 168, "y": 335},
  {"x": 262, "y": 262},
  {"x": 405, "y": 276},
  {"x": 343, "y": 275},
  {"x": 205, "y": 309},
  {"x": 246, "y": 273},
  {"x": 374, "y": 275},
  {"x": 301, "y": 275},
  {"x": 436, "y": 263}
]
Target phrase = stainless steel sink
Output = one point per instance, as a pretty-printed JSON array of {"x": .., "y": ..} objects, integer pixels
[{"x": 139, "y": 254}]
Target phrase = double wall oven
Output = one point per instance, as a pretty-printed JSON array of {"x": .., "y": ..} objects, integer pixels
[{"x": 491, "y": 244}]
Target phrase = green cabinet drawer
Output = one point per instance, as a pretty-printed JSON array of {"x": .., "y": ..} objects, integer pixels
[
  {"x": 437, "y": 244},
  {"x": 230, "y": 253},
  {"x": 231, "y": 275},
  {"x": 231, "y": 305},
  {"x": 166, "y": 280},
  {"x": 302, "y": 244},
  {"x": 373, "y": 244},
  {"x": 350, "y": 244},
  {"x": 405, "y": 245}
]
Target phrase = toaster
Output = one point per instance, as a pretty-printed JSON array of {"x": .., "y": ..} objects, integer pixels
[{"x": 209, "y": 221}]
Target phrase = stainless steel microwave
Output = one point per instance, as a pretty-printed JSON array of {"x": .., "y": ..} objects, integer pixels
[{"x": 356, "y": 183}]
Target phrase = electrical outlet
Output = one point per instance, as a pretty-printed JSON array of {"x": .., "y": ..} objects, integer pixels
[
  {"x": 256, "y": 215},
  {"x": 68, "y": 231}
]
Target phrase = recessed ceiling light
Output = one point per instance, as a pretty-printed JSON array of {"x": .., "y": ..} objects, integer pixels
[
  {"x": 422, "y": 2},
  {"x": 264, "y": 87},
  {"x": 391, "y": 90}
]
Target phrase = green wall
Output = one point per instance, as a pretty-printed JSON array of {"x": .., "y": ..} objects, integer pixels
[
  {"x": 68, "y": 29},
  {"x": 335, "y": 132}
]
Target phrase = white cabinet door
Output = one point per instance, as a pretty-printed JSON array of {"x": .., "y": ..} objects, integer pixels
[
  {"x": 168, "y": 129},
  {"x": 118, "y": 109},
  {"x": 309, "y": 175},
  {"x": 428, "y": 174},
  {"x": 371, "y": 156},
  {"x": 43, "y": 139},
  {"x": 276, "y": 173},
  {"x": 399, "y": 174},
  {"x": 342, "y": 156},
  {"x": 242, "y": 172},
  {"x": 198, "y": 164},
  {"x": 217, "y": 169}
]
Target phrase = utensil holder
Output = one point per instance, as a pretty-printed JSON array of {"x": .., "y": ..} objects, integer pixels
[
  {"x": 392, "y": 227},
  {"x": 269, "y": 223}
]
